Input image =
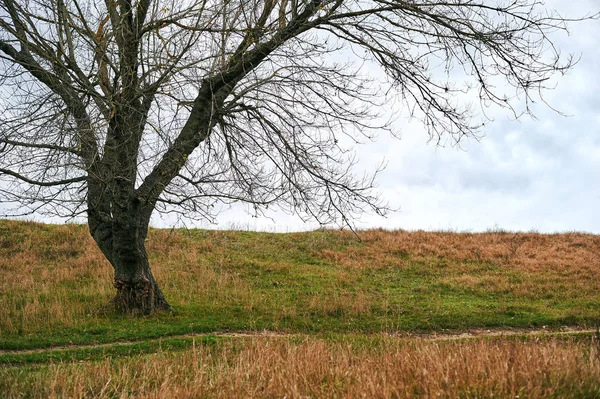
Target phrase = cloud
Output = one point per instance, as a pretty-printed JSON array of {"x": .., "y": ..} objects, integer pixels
[
  {"x": 523, "y": 175},
  {"x": 541, "y": 174}
]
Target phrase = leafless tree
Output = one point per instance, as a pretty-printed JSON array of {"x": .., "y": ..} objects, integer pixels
[{"x": 117, "y": 108}]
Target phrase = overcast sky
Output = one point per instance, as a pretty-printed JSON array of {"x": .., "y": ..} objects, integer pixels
[{"x": 541, "y": 175}]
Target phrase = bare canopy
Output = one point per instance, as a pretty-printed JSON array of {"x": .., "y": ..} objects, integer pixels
[{"x": 119, "y": 108}]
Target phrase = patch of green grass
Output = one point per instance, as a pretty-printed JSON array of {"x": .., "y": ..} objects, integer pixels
[{"x": 103, "y": 352}]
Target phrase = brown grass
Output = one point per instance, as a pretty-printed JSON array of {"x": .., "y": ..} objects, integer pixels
[
  {"x": 530, "y": 265},
  {"x": 568, "y": 253},
  {"x": 40, "y": 269},
  {"x": 54, "y": 276},
  {"x": 278, "y": 368}
]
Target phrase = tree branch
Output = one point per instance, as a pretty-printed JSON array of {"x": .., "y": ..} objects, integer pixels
[
  {"x": 44, "y": 146},
  {"x": 41, "y": 183}
]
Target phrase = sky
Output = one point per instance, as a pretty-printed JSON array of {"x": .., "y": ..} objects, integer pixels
[{"x": 524, "y": 175}]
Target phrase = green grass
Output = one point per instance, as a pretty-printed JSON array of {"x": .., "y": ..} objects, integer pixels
[
  {"x": 331, "y": 365},
  {"x": 351, "y": 340},
  {"x": 317, "y": 282},
  {"x": 344, "y": 307},
  {"x": 102, "y": 352}
]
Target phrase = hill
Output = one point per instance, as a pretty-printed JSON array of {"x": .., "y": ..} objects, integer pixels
[{"x": 326, "y": 286}]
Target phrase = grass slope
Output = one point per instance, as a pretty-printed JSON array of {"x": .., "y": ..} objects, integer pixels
[
  {"x": 337, "y": 295},
  {"x": 53, "y": 279}
]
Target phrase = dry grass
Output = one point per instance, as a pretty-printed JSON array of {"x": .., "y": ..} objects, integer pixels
[
  {"x": 278, "y": 368},
  {"x": 46, "y": 269},
  {"x": 570, "y": 253},
  {"x": 53, "y": 278},
  {"x": 527, "y": 264}
]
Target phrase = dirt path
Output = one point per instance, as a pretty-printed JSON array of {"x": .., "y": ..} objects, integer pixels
[
  {"x": 438, "y": 336},
  {"x": 480, "y": 333}
]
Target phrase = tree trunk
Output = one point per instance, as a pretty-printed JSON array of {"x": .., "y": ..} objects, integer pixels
[
  {"x": 137, "y": 291},
  {"x": 123, "y": 245},
  {"x": 140, "y": 295}
]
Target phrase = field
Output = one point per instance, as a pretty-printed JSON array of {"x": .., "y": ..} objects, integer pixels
[{"x": 318, "y": 314}]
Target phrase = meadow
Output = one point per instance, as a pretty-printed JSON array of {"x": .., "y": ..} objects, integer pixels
[{"x": 315, "y": 314}]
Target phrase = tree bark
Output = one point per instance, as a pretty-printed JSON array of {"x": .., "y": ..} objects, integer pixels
[
  {"x": 137, "y": 291},
  {"x": 123, "y": 245},
  {"x": 140, "y": 295}
]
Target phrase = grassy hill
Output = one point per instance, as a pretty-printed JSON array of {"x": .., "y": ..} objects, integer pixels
[{"x": 326, "y": 291}]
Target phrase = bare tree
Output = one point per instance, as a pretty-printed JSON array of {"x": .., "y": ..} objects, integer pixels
[{"x": 119, "y": 108}]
